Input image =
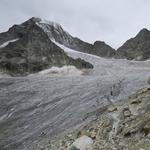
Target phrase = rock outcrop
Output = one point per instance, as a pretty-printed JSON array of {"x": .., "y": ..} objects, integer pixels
[
  {"x": 137, "y": 48},
  {"x": 26, "y": 48},
  {"x": 102, "y": 49}
]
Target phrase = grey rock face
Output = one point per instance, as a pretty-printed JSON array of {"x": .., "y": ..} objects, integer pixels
[
  {"x": 56, "y": 32},
  {"x": 137, "y": 48},
  {"x": 32, "y": 51}
]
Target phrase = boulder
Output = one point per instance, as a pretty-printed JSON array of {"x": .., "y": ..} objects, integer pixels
[{"x": 82, "y": 143}]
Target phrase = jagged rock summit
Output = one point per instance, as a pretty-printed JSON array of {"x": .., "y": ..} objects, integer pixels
[
  {"x": 26, "y": 48},
  {"x": 137, "y": 48}
]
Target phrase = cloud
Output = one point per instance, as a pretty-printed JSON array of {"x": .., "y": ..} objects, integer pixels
[{"x": 112, "y": 21}]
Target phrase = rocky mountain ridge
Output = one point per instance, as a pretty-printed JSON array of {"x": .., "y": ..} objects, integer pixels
[{"x": 137, "y": 48}]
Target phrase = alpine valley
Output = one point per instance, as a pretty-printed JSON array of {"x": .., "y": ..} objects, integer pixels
[{"x": 58, "y": 92}]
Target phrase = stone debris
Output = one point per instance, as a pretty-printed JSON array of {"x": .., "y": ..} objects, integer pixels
[{"x": 125, "y": 125}]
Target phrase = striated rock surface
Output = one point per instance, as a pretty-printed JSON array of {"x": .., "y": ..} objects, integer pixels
[
  {"x": 124, "y": 125},
  {"x": 26, "y": 48},
  {"x": 137, "y": 48}
]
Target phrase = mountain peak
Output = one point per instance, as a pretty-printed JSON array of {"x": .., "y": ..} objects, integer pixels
[
  {"x": 143, "y": 32},
  {"x": 137, "y": 48}
]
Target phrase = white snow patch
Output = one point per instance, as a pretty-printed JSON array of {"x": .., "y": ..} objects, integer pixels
[
  {"x": 69, "y": 50},
  {"x": 6, "y": 43},
  {"x": 66, "y": 49},
  {"x": 64, "y": 71},
  {"x": 148, "y": 60}
]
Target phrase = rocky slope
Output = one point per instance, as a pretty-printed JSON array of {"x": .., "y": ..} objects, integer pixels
[
  {"x": 137, "y": 48},
  {"x": 26, "y": 48},
  {"x": 57, "y": 33},
  {"x": 124, "y": 125}
]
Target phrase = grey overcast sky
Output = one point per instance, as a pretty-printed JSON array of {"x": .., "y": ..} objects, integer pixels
[{"x": 112, "y": 21}]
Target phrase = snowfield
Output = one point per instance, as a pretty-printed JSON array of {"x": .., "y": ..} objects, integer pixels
[
  {"x": 6, "y": 43},
  {"x": 59, "y": 100}
]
